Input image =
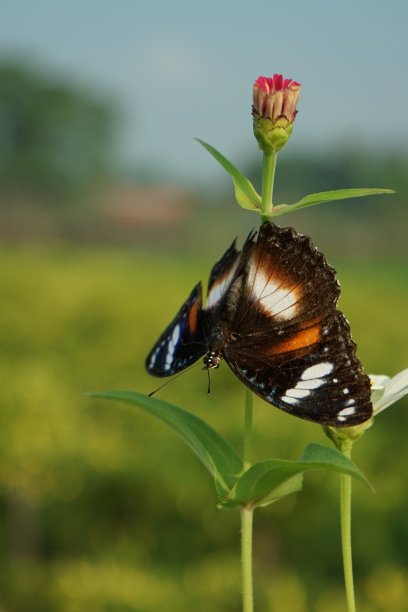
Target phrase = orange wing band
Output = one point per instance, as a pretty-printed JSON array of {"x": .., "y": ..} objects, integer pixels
[
  {"x": 301, "y": 340},
  {"x": 193, "y": 317}
]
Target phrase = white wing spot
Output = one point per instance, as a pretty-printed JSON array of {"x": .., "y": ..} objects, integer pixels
[
  {"x": 346, "y": 391},
  {"x": 347, "y": 412},
  {"x": 154, "y": 357},
  {"x": 170, "y": 352},
  {"x": 290, "y": 400},
  {"x": 295, "y": 392},
  {"x": 278, "y": 301},
  {"x": 176, "y": 334},
  {"x": 318, "y": 370},
  {"x": 314, "y": 383}
]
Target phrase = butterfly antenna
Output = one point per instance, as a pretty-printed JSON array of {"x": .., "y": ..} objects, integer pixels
[{"x": 171, "y": 380}]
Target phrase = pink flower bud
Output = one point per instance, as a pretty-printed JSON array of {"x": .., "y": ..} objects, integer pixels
[{"x": 274, "y": 110}]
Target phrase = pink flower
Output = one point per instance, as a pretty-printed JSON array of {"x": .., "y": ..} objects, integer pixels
[
  {"x": 276, "y": 97},
  {"x": 274, "y": 111}
]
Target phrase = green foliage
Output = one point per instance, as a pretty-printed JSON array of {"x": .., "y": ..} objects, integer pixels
[
  {"x": 263, "y": 483},
  {"x": 103, "y": 509},
  {"x": 247, "y": 196},
  {"x": 327, "y": 196},
  {"x": 214, "y": 452},
  {"x": 245, "y": 192},
  {"x": 270, "y": 480}
]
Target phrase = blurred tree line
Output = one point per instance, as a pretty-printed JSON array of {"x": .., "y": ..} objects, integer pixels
[{"x": 56, "y": 141}]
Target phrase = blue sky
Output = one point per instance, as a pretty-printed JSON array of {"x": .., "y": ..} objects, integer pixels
[{"x": 183, "y": 69}]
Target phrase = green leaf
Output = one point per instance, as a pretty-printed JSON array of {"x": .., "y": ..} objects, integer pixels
[
  {"x": 269, "y": 480},
  {"x": 245, "y": 193},
  {"x": 326, "y": 196},
  {"x": 220, "y": 459}
]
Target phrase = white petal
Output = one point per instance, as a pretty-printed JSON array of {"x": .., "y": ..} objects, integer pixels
[
  {"x": 378, "y": 381},
  {"x": 398, "y": 383},
  {"x": 394, "y": 390}
]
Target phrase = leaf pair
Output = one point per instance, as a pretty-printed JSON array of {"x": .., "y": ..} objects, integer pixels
[
  {"x": 247, "y": 196},
  {"x": 261, "y": 484}
]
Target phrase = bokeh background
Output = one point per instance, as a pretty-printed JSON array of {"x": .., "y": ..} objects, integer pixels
[{"x": 109, "y": 214}]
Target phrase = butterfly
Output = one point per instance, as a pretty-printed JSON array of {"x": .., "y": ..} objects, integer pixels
[{"x": 271, "y": 315}]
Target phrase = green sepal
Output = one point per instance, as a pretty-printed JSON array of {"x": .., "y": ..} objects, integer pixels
[
  {"x": 215, "y": 453},
  {"x": 272, "y": 137},
  {"x": 327, "y": 196},
  {"x": 245, "y": 193},
  {"x": 270, "y": 480}
]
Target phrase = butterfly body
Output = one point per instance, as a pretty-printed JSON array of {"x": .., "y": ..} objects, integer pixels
[{"x": 271, "y": 315}]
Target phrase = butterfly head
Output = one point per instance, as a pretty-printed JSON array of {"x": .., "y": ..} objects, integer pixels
[
  {"x": 220, "y": 338},
  {"x": 212, "y": 360}
]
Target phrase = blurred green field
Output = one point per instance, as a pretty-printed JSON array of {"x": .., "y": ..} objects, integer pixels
[{"x": 104, "y": 510}]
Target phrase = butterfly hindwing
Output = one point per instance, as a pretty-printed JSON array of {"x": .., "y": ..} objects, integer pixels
[
  {"x": 321, "y": 382},
  {"x": 183, "y": 341}
]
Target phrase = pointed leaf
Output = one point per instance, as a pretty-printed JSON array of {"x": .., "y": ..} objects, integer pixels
[
  {"x": 214, "y": 452},
  {"x": 289, "y": 484},
  {"x": 245, "y": 193},
  {"x": 327, "y": 196},
  {"x": 262, "y": 483}
]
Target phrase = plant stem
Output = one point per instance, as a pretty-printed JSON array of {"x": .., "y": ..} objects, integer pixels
[
  {"x": 345, "y": 521},
  {"x": 246, "y": 560},
  {"x": 268, "y": 177},
  {"x": 247, "y": 514},
  {"x": 248, "y": 437}
]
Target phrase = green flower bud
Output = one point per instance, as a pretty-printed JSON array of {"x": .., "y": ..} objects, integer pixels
[{"x": 346, "y": 436}]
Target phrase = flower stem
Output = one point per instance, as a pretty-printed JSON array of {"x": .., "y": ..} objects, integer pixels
[
  {"x": 247, "y": 514},
  {"x": 345, "y": 520},
  {"x": 248, "y": 437},
  {"x": 268, "y": 177}
]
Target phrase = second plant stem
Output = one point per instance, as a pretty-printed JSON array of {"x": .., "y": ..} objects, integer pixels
[{"x": 345, "y": 520}]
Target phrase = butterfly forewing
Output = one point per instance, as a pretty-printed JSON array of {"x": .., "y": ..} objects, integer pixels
[
  {"x": 183, "y": 341},
  {"x": 287, "y": 282}
]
